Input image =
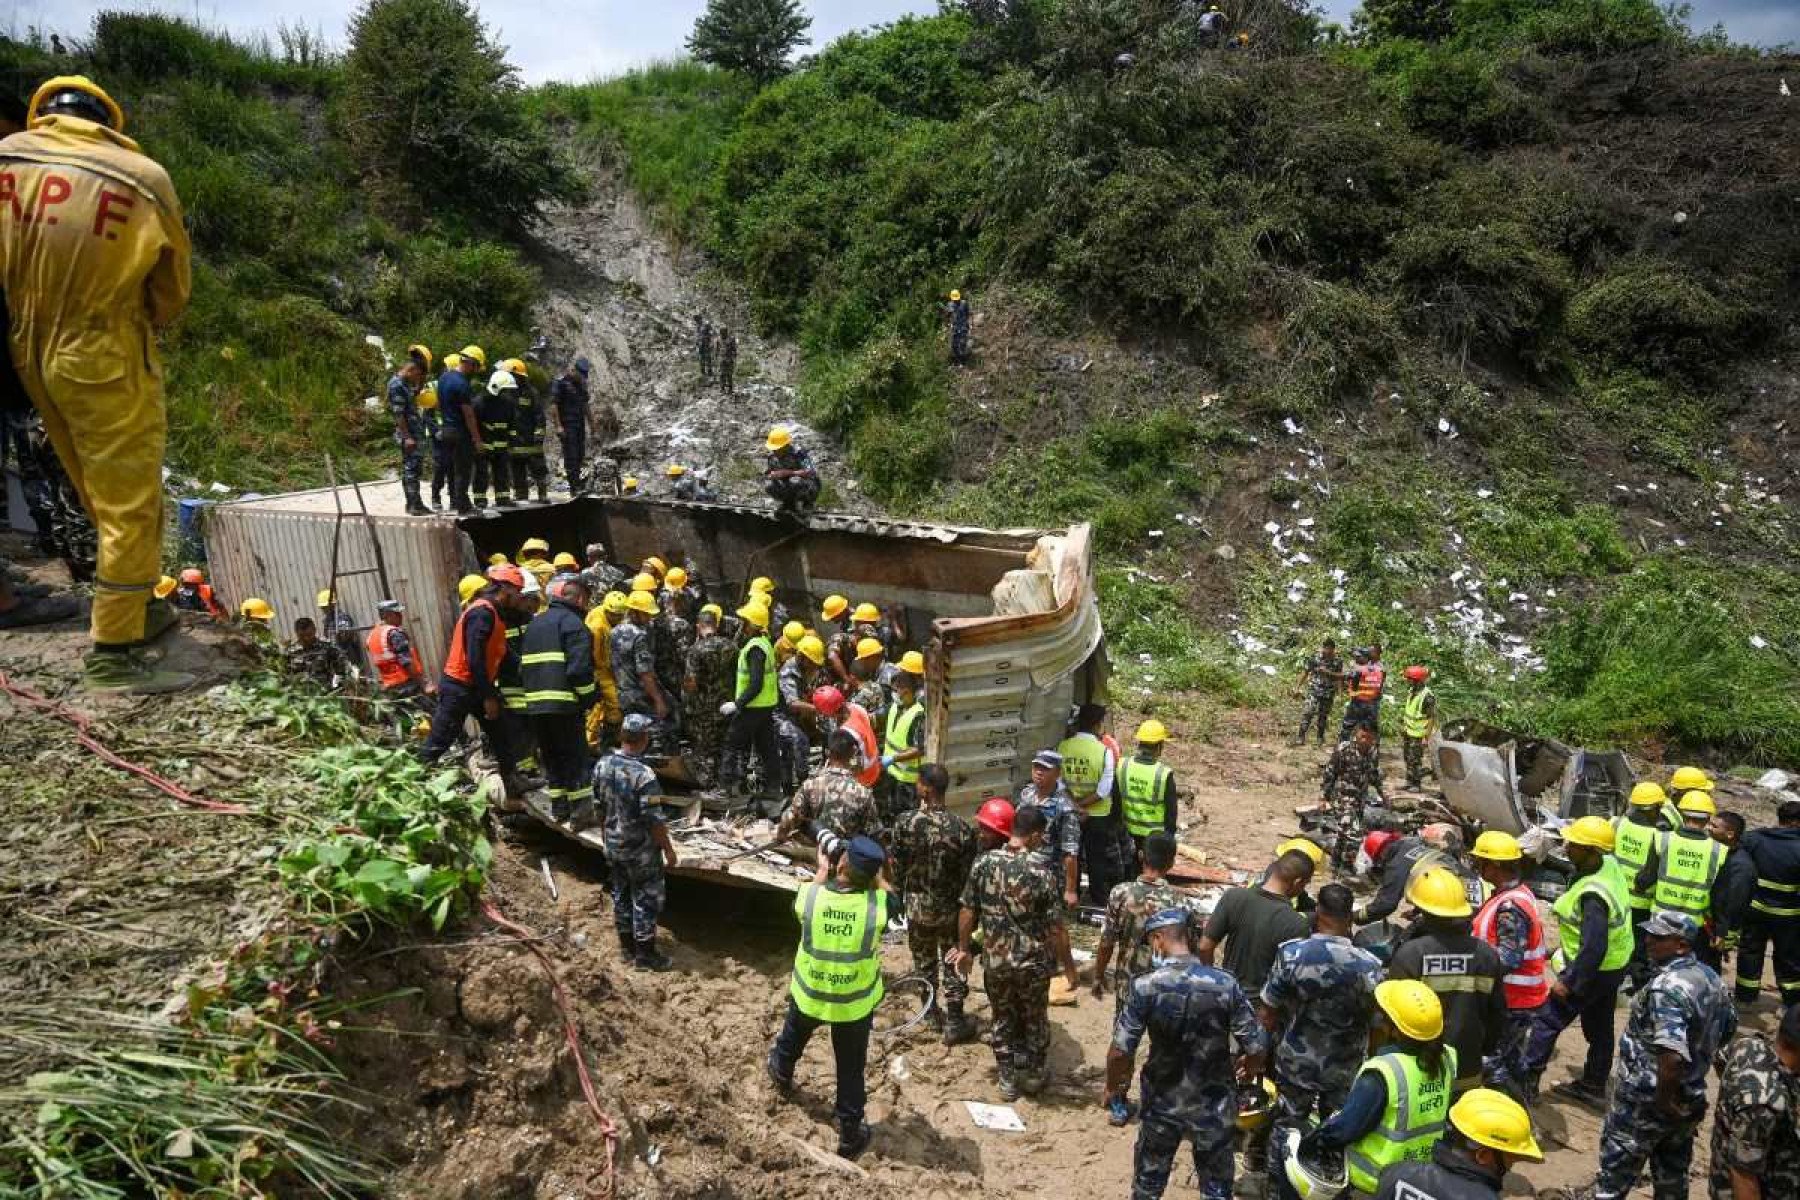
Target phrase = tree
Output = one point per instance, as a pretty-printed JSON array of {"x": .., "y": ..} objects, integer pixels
[
  {"x": 752, "y": 37},
  {"x": 434, "y": 116}
]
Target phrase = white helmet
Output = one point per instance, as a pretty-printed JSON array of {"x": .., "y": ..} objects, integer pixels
[
  {"x": 502, "y": 381},
  {"x": 1306, "y": 1184}
]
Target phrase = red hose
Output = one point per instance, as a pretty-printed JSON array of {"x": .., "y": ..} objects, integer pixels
[
  {"x": 82, "y": 722},
  {"x": 608, "y": 1128}
]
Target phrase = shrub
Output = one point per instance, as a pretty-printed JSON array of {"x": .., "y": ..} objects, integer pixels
[
  {"x": 1653, "y": 317},
  {"x": 1486, "y": 284},
  {"x": 1335, "y": 343},
  {"x": 150, "y": 47},
  {"x": 890, "y": 402},
  {"x": 437, "y": 282}
]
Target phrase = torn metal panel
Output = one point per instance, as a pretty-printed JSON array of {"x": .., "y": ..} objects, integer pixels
[{"x": 1506, "y": 780}]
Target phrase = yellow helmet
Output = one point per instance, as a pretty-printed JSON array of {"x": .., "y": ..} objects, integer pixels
[
  {"x": 656, "y": 566},
  {"x": 629, "y": 484},
  {"x": 833, "y": 608},
  {"x": 1595, "y": 832},
  {"x": 1152, "y": 733},
  {"x": 324, "y": 598},
  {"x": 614, "y": 603},
  {"x": 644, "y": 582},
  {"x": 675, "y": 471},
  {"x": 1413, "y": 1008},
  {"x": 1497, "y": 846},
  {"x": 74, "y": 83},
  {"x": 452, "y": 361},
  {"x": 717, "y": 613},
  {"x": 477, "y": 354},
  {"x": 955, "y": 294},
  {"x": 1697, "y": 801},
  {"x": 420, "y": 351},
  {"x": 565, "y": 560},
  {"x": 537, "y": 543},
  {"x": 497, "y": 559},
  {"x": 1258, "y": 1113},
  {"x": 257, "y": 609},
  {"x": 762, "y": 584},
  {"x": 754, "y": 614},
  {"x": 1649, "y": 794},
  {"x": 779, "y": 438},
  {"x": 676, "y": 579},
  {"x": 866, "y": 614},
  {"x": 641, "y": 601},
  {"x": 812, "y": 650},
  {"x": 1438, "y": 891},
  {"x": 912, "y": 663},
  {"x": 428, "y": 397},
  {"x": 165, "y": 587},
  {"x": 793, "y": 631},
  {"x": 1301, "y": 845},
  {"x": 1495, "y": 1120},
  {"x": 1690, "y": 779},
  {"x": 515, "y": 366},
  {"x": 468, "y": 585},
  {"x": 870, "y": 648}
]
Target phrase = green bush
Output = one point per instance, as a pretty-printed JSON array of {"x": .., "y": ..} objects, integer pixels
[
  {"x": 152, "y": 48},
  {"x": 435, "y": 282},
  {"x": 1465, "y": 97},
  {"x": 890, "y": 401},
  {"x": 1480, "y": 287},
  {"x": 1653, "y": 317},
  {"x": 1336, "y": 343}
]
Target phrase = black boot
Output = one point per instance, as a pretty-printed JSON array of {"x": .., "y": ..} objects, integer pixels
[
  {"x": 854, "y": 1139},
  {"x": 649, "y": 958},
  {"x": 543, "y": 491},
  {"x": 627, "y": 943},
  {"x": 957, "y": 1027}
]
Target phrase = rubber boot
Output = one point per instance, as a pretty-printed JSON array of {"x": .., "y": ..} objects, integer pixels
[
  {"x": 958, "y": 1028},
  {"x": 854, "y": 1139},
  {"x": 627, "y": 943},
  {"x": 124, "y": 671},
  {"x": 159, "y": 618},
  {"x": 650, "y": 958}
]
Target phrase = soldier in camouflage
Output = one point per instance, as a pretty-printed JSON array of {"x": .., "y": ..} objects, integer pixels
[
  {"x": 1352, "y": 772},
  {"x": 1317, "y": 1000},
  {"x": 1677, "y": 1023},
  {"x": 706, "y": 685},
  {"x": 1197, "y": 1018},
  {"x": 626, "y": 806},
  {"x": 1012, "y": 896},
  {"x": 1127, "y": 908},
  {"x": 1060, "y": 849},
  {"x": 600, "y": 576},
  {"x": 314, "y": 659},
  {"x": 634, "y": 664},
  {"x": 933, "y": 850},
  {"x": 674, "y": 633},
  {"x": 833, "y": 801},
  {"x": 1756, "y": 1127},
  {"x": 1321, "y": 679}
]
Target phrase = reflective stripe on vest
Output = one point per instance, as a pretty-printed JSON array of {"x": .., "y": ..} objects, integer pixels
[
  {"x": 770, "y": 691},
  {"x": 1413, "y": 721},
  {"x": 1785, "y": 904},
  {"x": 456, "y": 666},
  {"x": 388, "y": 668},
  {"x": 1142, "y": 785},
  {"x": 1609, "y": 884},
  {"x": 1367, "y": 683},
  {"x": 1632, "y": 842},
  {"x": 1685, "y": 869},
  {"x": 837, "y": 969},
  {"x": 1529, "y": 985},
  {"x": 899, "y": 740},
  {"x": 1412, "y": 1122}
]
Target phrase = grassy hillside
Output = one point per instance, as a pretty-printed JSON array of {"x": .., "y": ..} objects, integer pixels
[
  {"x": 1492, "y": 318},
  {"x": 268, "y": 371}
]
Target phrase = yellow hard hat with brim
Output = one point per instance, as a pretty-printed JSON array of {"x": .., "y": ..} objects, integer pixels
[
  {"x": 324, "y": 598},
  {"x": 866, "y": 614},
  {"x": 870, "y": 648},
  {"x": 1152, "y": 733},
  {"x": 779, "y": 438},
  {"x": 74, "y": 83},
  {"x": 912, "y": 663},
  {"x": 1648, "y": 794},
  {"x": 793, "y": 631},
  {"x": 812, "y": 650},
  {"x": 165, "y": 587},
  {"x": 754, "y": 614},
  {"x": 257, "y": 609},
  {"x": 676, "y": 579},
  {"x": 1306, "y": 846},
  {"x": 833, "y": 608},
  {"x": 1697, "y": 801},
  {"x": 1497, "y": 846},
  {"x": 1690, "y": 779},
  {"x": 614, "y": 603},
  {"x": 475, "y": 354},
  {"x": 468, "y": 585},
  {"x": 1495, "y": 1120},
  {"x": 1438, "y": 891},
  {"x": 1594, "y": 832},
  {"x": 642, "y": 602},
  {"x": 1413, "y": 1007}
]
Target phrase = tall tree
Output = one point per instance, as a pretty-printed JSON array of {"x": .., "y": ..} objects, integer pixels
[{"x": 752, "y": 37}]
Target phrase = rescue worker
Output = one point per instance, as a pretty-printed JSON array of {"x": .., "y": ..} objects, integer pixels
[
  {"x": 703, "y": 348},
  {"x": 1060, "y": 848},
  {"x": 556, "y": 654},
  {"x": 601, "y": 576},
  {"x": 634, "y": 660},
  {"x": 1685, "y": 862},
  {"x": 728, "y": 351},
  {"x": 1463, "y": 970},
  {"x": 627, "y": 808},
  {"x": 1212, "y": 27},
  {"x": 790, "y": 477},
  {"x": 706, "y": 686},
  {"x": 1510, "y": 923},
  {"x": 409, "y": 424},
  {"x": 602, "y": 618},
  {"x": 903, "y": 739},
  {"x": 872, "y": 673},
  {"x": 496, "y": 410},
  {"x": 1774, "y": 915},
  {"x": 679, "y": 482},
  {"x": 338, "y": 625},
  {"x": 1392, "y": 859},
  {"x": 1682, "y": 781},
  {"x": 751, "y": 710},
  {"x": 1635, "y": 835},
  {"x": 1128, "y": 907},
  {"x": 314, "y": 659},
  {"x": 1418, "y": 720},
  {"x": 1316, "y": 1003},
  {"x": 829, "y": 702},
  {"x": 462, "y": 431},
  {"x": 832, "y": 807},
  {"x": 1089, "y": 770},
  {"x": 1251, "y": 923},
  {"x": 525, "y": 440},
  {"x": 1593, "y": 919},
  {"x": 470, "y": 684},
  {"x": 956, "y": 313},
  {"x": 837, "y": 980},
  {"x": 1011, "y": 897},
  {"x": 397, "y": 669},
  {"x": 1489, "y": 1132},
  {"x": 1677, "y": 1024},
  {"x": 671, "y": 635},
  {"x": 194, "y": 594},
  {"x": 1351, "y": 773},
  {"x": 1321, "y": 679},
  {"x": 1203, "y": 1035},
  {"x": 1364, "y": 684},
  {"x": 432, "y": 415},
  {"x": 94, "y": 257},
  {"x": 1756, "y": 1123},
  {"x": 1146, "y": 787},
  {"x": 1730, "y": 899},
  {"x": 799, "y": 676},
  {"x": 569, "y": 405},
  {"x": 1397, "y": 1106},
  {"x": 840, "y": 643},
  {"x": 933, "y": 852}
]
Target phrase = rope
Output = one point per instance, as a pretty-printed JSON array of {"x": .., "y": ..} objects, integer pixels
[
  {"x": 82, "y": 723},
  {"x": 609, "y": 1130}
]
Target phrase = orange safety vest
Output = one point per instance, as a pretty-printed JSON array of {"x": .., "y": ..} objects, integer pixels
[
  {"x": 1529, "y": 985},
  {"x": 1369, "y": 681},
  {"x": 494, "y": 653},
  {"x": 392, "y": 672},
  {"x": 856, "y": 720}
]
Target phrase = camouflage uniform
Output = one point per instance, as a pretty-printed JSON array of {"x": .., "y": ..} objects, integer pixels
[
  {"x": 703, "y": 345},
  {"x": 932, "y": 852},
  {"x": 319, "y": 663},
  {"x": 1754, "y": 1126},
  {"x": 1324, "y": 680},
  {"x": 836, "y": 800},
  {"x": 632, "y": 657},
  {"x": 602, "y": 579},
  {"x": 1018, "y": 905},
  {"x": 1686, "y": 1009},
  {"x": 1127, "y": 908},
  {"x": 711, "y": 662},
  {"x": 1062, "y": 827},
  {"x": 625, "y": 791},
  {"x": 1196, "y": 1017},
  {"x": 63, "y": 528},
  {"x": 1350, "y": 775},
  {"x": 669, "y": 642},
  {"x": 403, "y": 409},
  {"x": 873, "y": 697}
]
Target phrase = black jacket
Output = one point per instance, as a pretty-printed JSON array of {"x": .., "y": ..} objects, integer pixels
[
  {"x": 1450, "y": 1175},
  {"x": 556, "y": 658}
]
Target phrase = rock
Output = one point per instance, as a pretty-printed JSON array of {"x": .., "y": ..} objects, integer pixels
[
  {"x": 1225, "y": 552},
  {"x": 1774, "y": 781}
]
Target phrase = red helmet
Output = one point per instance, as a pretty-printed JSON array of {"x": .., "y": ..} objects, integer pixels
[
  {"x": 1376, "y": 842},
  {"x": 996, "y": 815},
  {"x": 193, "y": 575},
  {"x": 828, "y": 700},
  {"x": 1418, "y": 674},
  {"x": 507, "y": 573}
]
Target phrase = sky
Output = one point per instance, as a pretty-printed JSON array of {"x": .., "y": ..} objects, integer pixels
[{"x": 577, "y": 40}]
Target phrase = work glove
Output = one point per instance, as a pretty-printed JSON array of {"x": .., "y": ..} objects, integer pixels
[
  {"x": 887, "y": 760},
  {"x": 829, "y": 843},
  {"x": 728, "y": 709}
]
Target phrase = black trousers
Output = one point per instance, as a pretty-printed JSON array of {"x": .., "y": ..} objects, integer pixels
[
  {"x": 456, "y": 703},
  {"x": 443, "y": 467},
  {"x": 562, "y": 752},
  {"x": 753, "y": 727},
  {"x": 462, "y": 467},
  {"x": 493, "y": 468},
  {"x": 574, "y": 449},
  {"x": 849, "y": 1049}
]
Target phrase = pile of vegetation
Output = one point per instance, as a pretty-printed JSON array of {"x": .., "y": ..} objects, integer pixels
[{"x": 1369, "y": 232}]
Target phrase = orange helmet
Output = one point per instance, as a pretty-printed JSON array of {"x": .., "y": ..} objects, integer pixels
[
  {"x": 1418, "y": 674},
  {"x": 507, "y": 573},
  {"x": 193, "y": 575}
]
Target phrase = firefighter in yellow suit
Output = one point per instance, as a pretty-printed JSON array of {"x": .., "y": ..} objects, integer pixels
[{"x": 93, "y": 257}]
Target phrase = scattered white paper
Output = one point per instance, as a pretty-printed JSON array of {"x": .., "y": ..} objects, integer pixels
[
  {"x": 1001, "y": 1117},
  {"x": 220, "y": 488},
  {"x": 1756, "y": 640}
]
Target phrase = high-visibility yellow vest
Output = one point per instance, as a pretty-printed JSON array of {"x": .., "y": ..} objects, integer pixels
[
  {"x": 1413, "y": 721},
  {"x": 1686, "y": 865},
  {"x": 771, "y": 691},
  {"x": 1609, "y": 884},
  {"x": 898, "y": 740},
  {"x": 1417, "y": 1107},
  {"x": 1632, "y": 843},
  {"x": 1084, "y": 761},
  {"x": 837, "y": 969},
  {"x": 1141, "y": 785}
]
